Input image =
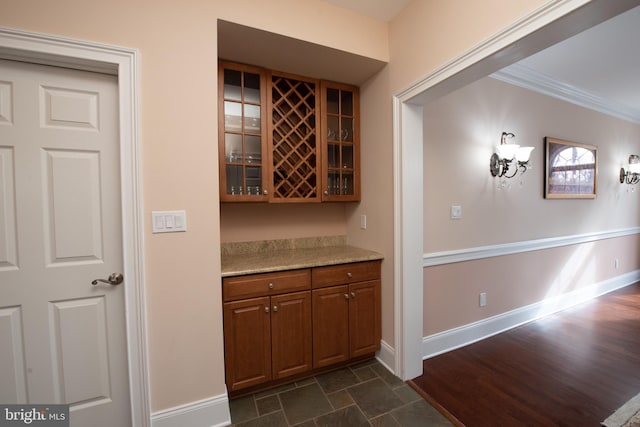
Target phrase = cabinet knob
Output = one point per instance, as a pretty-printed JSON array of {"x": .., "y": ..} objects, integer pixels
[
  {"x": 349, "y": 275},
  {"x": 275, "y": 308},
  {"x": 326, "y": 192},
  {"x": 346, "y": 296},
  {"x": 270, "y": 285},
  {"x": 266, "y": 309},
  {"x": 265, "y": 192},
  {"x": 353, "y": 294}
]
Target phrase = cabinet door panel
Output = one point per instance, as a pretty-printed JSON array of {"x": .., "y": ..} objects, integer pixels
[
  {"x": 291, "y": 334},
  {"x": 340, "y": 141},
  {"x": 241, "y": 133},
  {"x": 247, "y": 343},
  {"x": 364, "y": 318},
  {"x": 330, "y": 326}
]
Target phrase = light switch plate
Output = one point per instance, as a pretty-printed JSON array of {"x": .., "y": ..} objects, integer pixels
[
  {"x": 456, "y": 212},
  {"x": 168, "y": 221}
]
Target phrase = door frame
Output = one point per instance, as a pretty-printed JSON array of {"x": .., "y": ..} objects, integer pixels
[
  {"x": 553, "y": 22},
  {"x": 124, "y": 63}
]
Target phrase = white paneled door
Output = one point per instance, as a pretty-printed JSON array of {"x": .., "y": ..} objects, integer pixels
[{"x": 62, "y": 339}]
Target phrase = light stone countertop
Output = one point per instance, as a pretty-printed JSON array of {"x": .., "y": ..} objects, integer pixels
[{"x": 269, "y": 256}]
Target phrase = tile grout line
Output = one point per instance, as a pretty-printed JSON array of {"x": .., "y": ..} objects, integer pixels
[{"x": 367, "y": 371}]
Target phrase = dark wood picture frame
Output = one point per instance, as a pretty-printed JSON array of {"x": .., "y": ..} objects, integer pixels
[{"x": 571, "y": 170}]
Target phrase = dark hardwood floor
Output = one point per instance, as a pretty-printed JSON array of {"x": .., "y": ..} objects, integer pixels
[{"x": 573, "y": 369}]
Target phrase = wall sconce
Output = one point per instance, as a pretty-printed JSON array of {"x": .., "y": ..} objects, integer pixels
[
  {"x": 504, "y": 156},
  {"x": 632, "y": 174}
]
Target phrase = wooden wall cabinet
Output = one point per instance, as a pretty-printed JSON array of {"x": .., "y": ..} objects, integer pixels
[
  {"x": 340, "y": 112},
  {"x": 242, "y": 124},
  {"x": 285, "y": 324},
  {"x": 285, "y": 138},
  {"x": 266, "y": 337},
  {"x": 293, "y": 107}
]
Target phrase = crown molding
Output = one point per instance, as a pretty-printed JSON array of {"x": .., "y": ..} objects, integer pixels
[{"x": 528, "y": 78}]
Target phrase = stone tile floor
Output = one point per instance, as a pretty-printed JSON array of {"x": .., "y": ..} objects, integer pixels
[{"x": 362, "y": 395}]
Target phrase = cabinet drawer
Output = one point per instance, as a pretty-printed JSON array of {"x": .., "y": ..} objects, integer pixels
[
  {"x": 234, "y": 288},
  {"x": 345, "y": 273}
]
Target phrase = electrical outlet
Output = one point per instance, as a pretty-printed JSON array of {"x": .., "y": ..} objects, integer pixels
[
  {"x": 363, "y": 222},
  {"x": 616, "y": 263}
]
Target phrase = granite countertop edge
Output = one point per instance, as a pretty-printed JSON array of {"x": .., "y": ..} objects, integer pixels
[{"x": 292, "y": 259}]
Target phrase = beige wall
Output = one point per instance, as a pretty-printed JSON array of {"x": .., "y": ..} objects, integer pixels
[
  {"x": 463, "y": 127},
  {"x": 424, "y": 36},
  {"x": 451, "y": 291},
  {"x": 461, "y": 131},
  {"x": 177, "y": 46},
  {"x": 246, "y": 222},
  {"x": 429, "y": 33},
  {"x": 177, "y": 43}
]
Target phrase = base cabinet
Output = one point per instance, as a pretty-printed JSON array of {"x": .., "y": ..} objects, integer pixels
[
  {"x": 346, "y": 322},
  {"x": 267, "y": 338},
  {"x": 279, "y": 325},
  {"x": 364, "y": 318},
  {"x": 290, "y": 334},
  {"x": 247, "y": 342},
  {"x": 330, "y": 326}
]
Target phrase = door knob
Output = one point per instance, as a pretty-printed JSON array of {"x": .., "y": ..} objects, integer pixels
[{"x": 113, "y": 279}]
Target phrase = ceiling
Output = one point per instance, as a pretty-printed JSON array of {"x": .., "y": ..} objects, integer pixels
[{"x": 598, "y": 68}]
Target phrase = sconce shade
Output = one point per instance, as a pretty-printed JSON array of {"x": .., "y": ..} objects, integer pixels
[
  {"x": 632, "y": 174},
  {"x": 507, "y": 151},
  {"x": 524, "y": 153},
  {"x": 634, "y": 163},
  {"x": 502, "y": 160}
]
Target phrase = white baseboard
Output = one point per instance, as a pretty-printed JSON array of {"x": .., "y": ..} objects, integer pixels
[
  {"x": 386, "y": 356},
  {"x": 442, "y": 342},
  {"x": 211, "y": 412}
]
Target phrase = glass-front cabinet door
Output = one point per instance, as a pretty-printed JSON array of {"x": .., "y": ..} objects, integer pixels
[
  {"x": 341, "y": 142},
  {"x": 241, "y": 131}
]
